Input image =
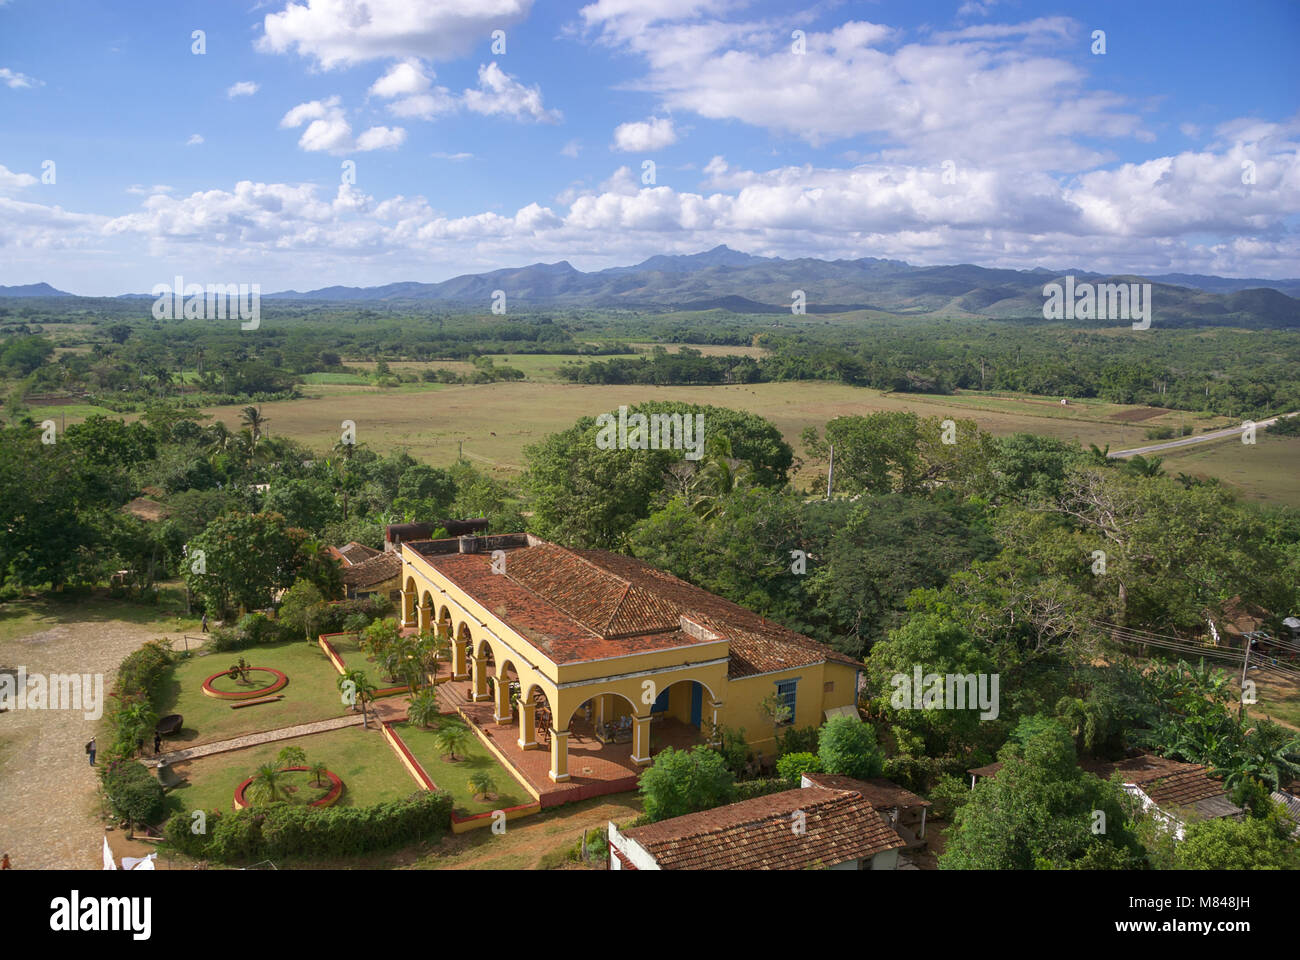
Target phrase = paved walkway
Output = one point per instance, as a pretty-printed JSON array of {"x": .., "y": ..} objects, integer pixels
[
  {"x": 253, "y": 739},
  {"x": 1202, "y": 438}
]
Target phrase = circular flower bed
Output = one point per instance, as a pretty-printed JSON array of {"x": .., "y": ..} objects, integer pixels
[
  {"x": 335, "y": 791},
  {"x": 279, "y": 682}
]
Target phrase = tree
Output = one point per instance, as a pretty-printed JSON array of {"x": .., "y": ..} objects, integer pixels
[
  {"x": 317, "y": 772},
  {"x": 1042, "y": 811},
  {"x": 452, "y": 737},
  {"x": 684, "y": 781},
  {"x": 357, "y": 688},
  {"x": 292, "y": 757},
  {"x": 266, "y": 786},
  {"x": 775, "y": 711},
  {"x": 847, "y": 747},
  {"x": 1227, "y": 844},
  {"x": 298, "y": 604},
  {"x": 246, "y": 558},
  {"x": 481, "y": 784},
  {"x": 252, "y": 418},
  {"x": 423, "y": 709},
  {"x": 133, "y": 794}
]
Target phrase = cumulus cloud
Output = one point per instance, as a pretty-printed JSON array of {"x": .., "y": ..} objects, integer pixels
[
  {"x": 993, "y": 93},
  {"x": 499, "y": 94},
  {"x": 11, "y": 182},
  {"x": 194, "y": 140},
  {"x": 412, "y": 92},
  {"x": 17, "y": 81},
  {"x": 645, "y": 135},
  {"x": 244, "y": 88},
  {"x": 328, "y": 130},
  {"x": 343, "y": 32}
]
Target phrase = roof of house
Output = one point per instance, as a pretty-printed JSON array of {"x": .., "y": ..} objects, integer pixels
[
  {"x": 587, "y": 604},
  {"x": 1292, "y": 805},
  {"x": 354, "y": 553},
  {"x": 760, "y": 834},
  {"x": 880, "y": 793},
  {"x": 990, "y": 771},
  {"x": 376, "y": 569}
]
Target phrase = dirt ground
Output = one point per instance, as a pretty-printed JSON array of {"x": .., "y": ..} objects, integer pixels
[{"x": 49, "y": 813}]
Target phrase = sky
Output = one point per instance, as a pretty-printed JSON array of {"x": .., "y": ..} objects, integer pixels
[{"x": 304, "y": 144}]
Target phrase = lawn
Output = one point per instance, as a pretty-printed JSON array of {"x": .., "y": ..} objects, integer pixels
[
  {"x": 370, "y": 771},
  {"x": 19, "y": 618},
  {"x": 312, "y": 693},
  {"x": 348, "y": 646},
  {"x": 454, "y": 777}
]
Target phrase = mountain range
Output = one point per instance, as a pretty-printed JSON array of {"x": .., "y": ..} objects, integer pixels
[{"x": 726, "y": 279}]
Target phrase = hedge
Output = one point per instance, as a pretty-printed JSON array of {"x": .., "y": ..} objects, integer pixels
[{"x": 283, "y": 830}]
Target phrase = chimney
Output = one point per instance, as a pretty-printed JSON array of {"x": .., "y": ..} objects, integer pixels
[{"x": 468, "y": 544}]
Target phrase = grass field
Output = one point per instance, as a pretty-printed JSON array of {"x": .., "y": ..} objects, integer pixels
[
  {"x": 454, "y": 777},
  {"x": 18, "y": 618},
  {"x": 312, "y": 693},
  {"x": 348, "y": 646},
  {"x": 371, "y": 773},
  {"x": 496, "y": 421}
]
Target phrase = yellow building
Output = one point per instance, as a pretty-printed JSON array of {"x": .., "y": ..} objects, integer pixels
[{"x": 596, "y": 637}]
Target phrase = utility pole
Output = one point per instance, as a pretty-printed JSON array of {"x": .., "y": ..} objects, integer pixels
[{"x": 830, "y": 473}]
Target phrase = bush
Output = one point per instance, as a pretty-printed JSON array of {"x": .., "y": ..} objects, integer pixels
[
  {"x": 797, "y": 740},
  {"x": 793, "y": 766},
  {"x": 848, "y": 747},
  {"x": 286, "y": 830},
  {"x": 948, "y": 796},
  {"x": 682, "y": 781},
  {"x": 133, "y": 793},
  {"x": 916, "y": 773},
  {"x": 749, "y": 789},
  {"x": 141, "y": 670}
]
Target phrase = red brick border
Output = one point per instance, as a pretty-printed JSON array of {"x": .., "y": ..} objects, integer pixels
[
  {"x": 335, "y": 792},
  {"x": 281, "y": 681}
]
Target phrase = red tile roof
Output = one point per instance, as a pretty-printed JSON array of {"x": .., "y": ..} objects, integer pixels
[
  {"x": 354, "y": 553},
  {"x": 377, "y": 569},
  {"x": 759, "y": 834},
  {"x": 880, "y": 793},
  {"x": 587, "y": 604}
]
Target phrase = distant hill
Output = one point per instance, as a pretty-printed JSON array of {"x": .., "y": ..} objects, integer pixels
[
  {"x": 33, "y": 290},
  {"x": 726, "y": 279}
]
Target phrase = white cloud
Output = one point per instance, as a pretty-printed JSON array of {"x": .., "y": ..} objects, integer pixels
[
  {"x": 11, "y": 182},
  {"x": 381, "y": 138},
  {"x": 412, "y": 92},
  {"x": 500, "y": 94},
  {"x": 343, "y": 32},
  {"x": 329, "y": 131},
  {"x": 194, "y": 140},
  {"x": 990, "y": 94},
  {"x": 17, "y": 81},
  {"x": 571, "y": 149},
  {"x": 140, "y": 190},
  {"x": 645, "y": 135},
  {"x": 452, "y": 156},
  {"x": 244, "y": 88}
]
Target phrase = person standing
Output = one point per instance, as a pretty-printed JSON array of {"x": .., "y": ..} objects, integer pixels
[
  {"x": 205, "y": 621},
  {"x": 90, "y": 750},
  {"x": 157, "y": 743},
  {"x": 4, "y": 863}
]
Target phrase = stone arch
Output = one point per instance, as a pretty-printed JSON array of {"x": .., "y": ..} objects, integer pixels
[
  {"x": 425, "y": 621},
  {"x": 410, "y": 602}
]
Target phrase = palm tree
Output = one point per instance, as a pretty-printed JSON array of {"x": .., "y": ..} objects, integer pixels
[
  {"x": 357, "y": 688},
  {"x": 1140, "y": 466},
  {"x": 317, "y": 772},
  {"x": 452, "y": 736},
  {"x": 481, "y": 783},
  {"x": 423, "y": 708},
  {"x": 252, "y": 418},
  {"x": 720, "y": 475},
  {"x": 266, "y": 785}
]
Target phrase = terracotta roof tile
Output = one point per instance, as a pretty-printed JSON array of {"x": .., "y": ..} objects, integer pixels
[
  {"x": 377, "y": 569},
  {"x": 880, "y": 793},
  {"x": 759, "y": 834}
]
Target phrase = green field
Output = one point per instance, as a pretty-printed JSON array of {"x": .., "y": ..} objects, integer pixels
[
  {"x": 312, "y": 693},
  {"x": 453, "y": 777},
  {"x": 370, "y": 771},
  {"x": 348, "y": 646}
]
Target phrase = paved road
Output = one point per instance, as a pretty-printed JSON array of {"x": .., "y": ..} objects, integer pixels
[{"x": 1202, "y": 438}]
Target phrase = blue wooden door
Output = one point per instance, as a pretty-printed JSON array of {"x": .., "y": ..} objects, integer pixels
[
  {"x": 661, "y": 702},
  {"x": 697, "y": 704}
]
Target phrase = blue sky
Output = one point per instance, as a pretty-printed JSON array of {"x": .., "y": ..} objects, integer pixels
[{"x": 984, "y": 131}]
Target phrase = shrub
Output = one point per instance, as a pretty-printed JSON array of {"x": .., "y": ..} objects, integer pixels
[
  {"x": 797, "y": 740},
  {"x": 848, "y": 747},
  {"x": 133, "y": 793},
  {"x": 793, "y": 766},
  {"x": 289, "y": 830},
  {"x": 916, "y": 773},
  {"x": 749, "y": 789},
  {"x": 682, "y": 782},
  {"x": 948, "y": 796}
]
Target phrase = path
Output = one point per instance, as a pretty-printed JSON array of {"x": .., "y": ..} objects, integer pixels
[
  {"x": 253, "y": 739},
  {"x": 49, "y": 811},
  {"x": 1202, "y": 438}
]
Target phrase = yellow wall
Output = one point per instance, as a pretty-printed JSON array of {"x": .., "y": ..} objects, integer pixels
[{"x": 745, "y": 694}]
